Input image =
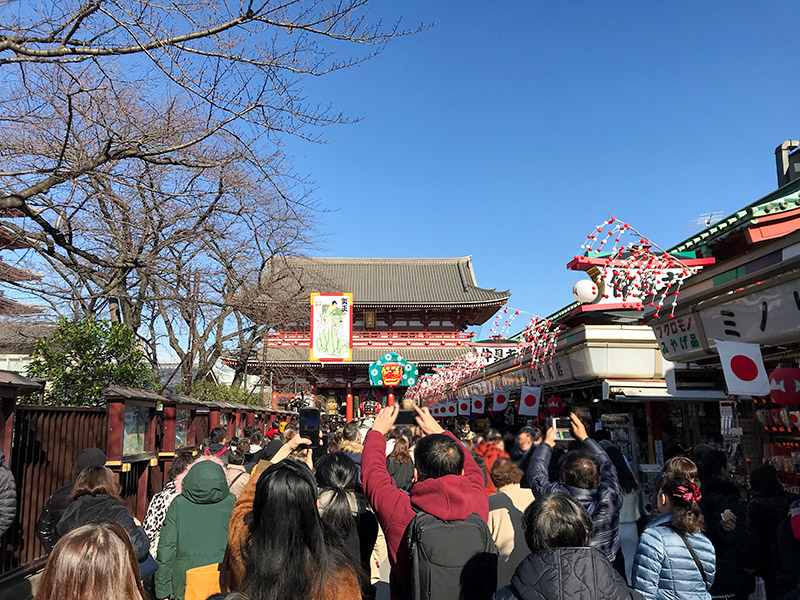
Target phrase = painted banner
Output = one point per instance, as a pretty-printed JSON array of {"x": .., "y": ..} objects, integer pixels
[
  {"x": 331, "y": 327},
  {"x": 392, "y": 370}
]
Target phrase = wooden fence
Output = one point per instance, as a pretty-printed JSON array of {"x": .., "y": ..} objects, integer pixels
[{"x": 44, "y": 456}]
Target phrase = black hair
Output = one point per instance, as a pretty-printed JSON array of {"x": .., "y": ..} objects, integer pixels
[
  {"x": 534, "y": 432},
  {"x": 601, "y": 435},
  {"x": 180, "y": 464},
  {"x": 287, "y": 555},
  {"x": 492, "y": 435},
  {"x": 438, "y": 455},
  {"x": 686, "y": 515},
  {"x": 205, "y": 444},
  {"x": 337, "y": 473},
  {"x": 256, "y": 437},
  {"x": 764, "y": 480},
  {"x": 248, "y": 431},
  {"x": 556, "y": 521},
  {"x": 229, "y": 596},
  {"x": 580, "y": 470},
  {"x": 627, "y": 480},
  {"x": 350, "y": 431},
  {"x": 217, "y": 435},
  {"x": 235, "y": 457},
  {"x": 712, "y": 463}
]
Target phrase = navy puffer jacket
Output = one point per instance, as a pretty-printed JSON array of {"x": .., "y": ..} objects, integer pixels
[
  {"x": 566, "y": 574},
  {"x": 602, "y": 503},
  {"x": 663, "y": 568}
]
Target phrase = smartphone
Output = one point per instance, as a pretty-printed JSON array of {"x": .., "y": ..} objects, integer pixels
[
  {"x": 309, "y": 424},
  {"x": 406, "y": 416},
  {"x": 563, "y": 427}
]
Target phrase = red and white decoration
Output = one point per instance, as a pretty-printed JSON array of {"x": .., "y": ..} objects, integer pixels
[
  {"x": 529, "y": 400},
  {"x": 478, "y": 405},
  {"x": 743, "y": 367},
  {"x": 499, "y": 401},
  {"x": 451, "y": 408},
  {"x": 784, "y": 385},
  {"x": 464, "y": 406},
  {"x": 632, "y": 270},
  {"x": 557, "y": 405}
]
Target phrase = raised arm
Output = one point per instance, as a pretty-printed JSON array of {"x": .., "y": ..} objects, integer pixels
[
  {"x": 379, "y": 488},
  {"x": 538, "y": 468}
]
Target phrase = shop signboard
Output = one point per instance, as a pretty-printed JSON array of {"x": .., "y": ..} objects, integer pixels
[
  {"x": 331, "y": 327},
  {"x": 679, "y": 338}
]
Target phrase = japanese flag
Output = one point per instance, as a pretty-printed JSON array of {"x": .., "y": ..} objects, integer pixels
[
  {"x": 500, "y": 401},
  {"x": 478, "y": 405},
  {"x": 451, "y": 408},
  {"x": 743, "y": 367},
  {"x": 434, "y": 408},
  {"x": 464, "y": 406},
  {"x": 529, "y": 400}
]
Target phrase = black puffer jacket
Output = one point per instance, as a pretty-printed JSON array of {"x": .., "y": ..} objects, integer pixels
[
  {"x": 8, "y": 496},
  {"x": 764, "y": 515},
  {"x": 731, "y": 547},
  {"x": 95, "y": 509},
  {"x": 567, "y": 574}
]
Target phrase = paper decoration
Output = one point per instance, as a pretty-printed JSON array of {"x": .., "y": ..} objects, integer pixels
[
  {"x": 478, "y": 405},
  {"x": 743, "y": 368},
  {"x": 784, "y": 385},
  {"x": 331, "y": 327},
  {"x": 529, "y": 400},
  {"x": 464, "y": 406},
  {"x": 499, "y": 401}
]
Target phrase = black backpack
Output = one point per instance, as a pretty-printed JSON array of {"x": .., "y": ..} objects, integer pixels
[{"x": 450, "y": 560}]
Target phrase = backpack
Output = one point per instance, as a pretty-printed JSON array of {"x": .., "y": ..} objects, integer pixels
[{"x": 450, "y": 560}]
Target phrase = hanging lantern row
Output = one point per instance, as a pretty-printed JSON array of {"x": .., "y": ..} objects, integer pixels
[{"x": 632, "y": 270}]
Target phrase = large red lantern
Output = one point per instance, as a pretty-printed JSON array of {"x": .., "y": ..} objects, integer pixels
[
  {"x": 784, "y": 385},
  {"x": 556, "y": 405}
]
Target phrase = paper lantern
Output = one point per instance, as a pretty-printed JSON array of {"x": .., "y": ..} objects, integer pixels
[
  {"x": 585, "y": 291},
  {"x": 784, "y": 385},
  {"x": 556, "y": 405}
]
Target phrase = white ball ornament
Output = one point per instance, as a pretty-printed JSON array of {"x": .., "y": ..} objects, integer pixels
[{"x": 585, "y": 291}]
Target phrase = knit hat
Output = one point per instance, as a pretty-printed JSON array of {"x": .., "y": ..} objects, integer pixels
[{"x": 91, "y": 457}]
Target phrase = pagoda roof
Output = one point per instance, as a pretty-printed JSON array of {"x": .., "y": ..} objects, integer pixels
[
  {"x": 362, "y": 355},
  {"x": 388, "y": 282}
]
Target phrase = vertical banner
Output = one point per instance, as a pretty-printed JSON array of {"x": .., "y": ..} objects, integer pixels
[
  {"x": 478, "y": 404},
  {"x": 331, "y": 327},
  {"x": 743, "y": 367},
  {"x": 451, "y": 408},
  {"x": 499, "y": 401},
  {"x": 464, "y": 406},
  {"x": 529, "y": 401}
]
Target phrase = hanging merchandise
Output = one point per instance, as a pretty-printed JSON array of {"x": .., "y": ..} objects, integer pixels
[
  {"x": 743, "y": 368},
  {"x": 499, "y": 401},
  {"x": 478, "y": 405},
  {"x": 529, "y": 400}
]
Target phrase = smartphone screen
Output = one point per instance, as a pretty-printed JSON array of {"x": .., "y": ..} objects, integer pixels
[
  {"x": 309, "y": 424},
  {"x": 562, "y": 425},
  {"x": 406, "y": 416}
]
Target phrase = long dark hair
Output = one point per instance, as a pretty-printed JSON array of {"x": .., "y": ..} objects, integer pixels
[
  {"x": 287, "y": 555},
  {"x": 96, "y": 481},
  {"x": 337, "y": 473},
  {"x": 400, "y": 453},
  {"x": 684, "y": 495}
]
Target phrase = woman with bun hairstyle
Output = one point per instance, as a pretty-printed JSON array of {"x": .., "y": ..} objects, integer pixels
[
  {"x": 674, "y": 559},
  {"x": 92, "y": 562}
]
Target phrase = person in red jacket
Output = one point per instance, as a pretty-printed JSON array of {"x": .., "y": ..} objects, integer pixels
[
  {"x": 447, "y": 489},
  {"x": 490, "y": 450}
]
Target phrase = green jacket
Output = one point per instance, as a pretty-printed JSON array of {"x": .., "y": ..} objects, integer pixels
[{"x": 195, "y": 531}]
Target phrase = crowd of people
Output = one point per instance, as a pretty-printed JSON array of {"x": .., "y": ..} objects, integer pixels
[{"x": 508, "y": 515}]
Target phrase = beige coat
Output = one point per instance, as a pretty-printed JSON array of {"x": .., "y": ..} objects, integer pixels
[
  {"x": 505, "y": 523},
  {"x": 237, "y": 478}
]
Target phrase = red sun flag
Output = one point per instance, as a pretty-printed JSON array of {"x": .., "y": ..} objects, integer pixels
[
  {"x": 478, "y": 405},
  {"x": 499, "y": 400},
  {"x": 743, "y": 367},
  {"x": 529, "y": 401},
  {"x": 464, "y": 407}
]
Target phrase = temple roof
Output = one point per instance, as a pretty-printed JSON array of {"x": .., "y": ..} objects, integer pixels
[
  {"x": 362, "y": 355},
  {"x": 397, "y": 281}
]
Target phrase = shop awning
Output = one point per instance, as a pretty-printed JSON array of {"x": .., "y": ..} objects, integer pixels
[{"x": 655, "y": 390}]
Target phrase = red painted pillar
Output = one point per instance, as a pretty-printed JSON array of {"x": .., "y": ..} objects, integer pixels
[
  {"x": 251, "y": 419},
  {"x": 168, "y": 418},
  {"x": 349, "y": 407},
  {"x": 213, "y": 418}
]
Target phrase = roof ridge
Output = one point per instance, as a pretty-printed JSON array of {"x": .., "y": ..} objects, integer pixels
[{"x": 453, "y": 259}]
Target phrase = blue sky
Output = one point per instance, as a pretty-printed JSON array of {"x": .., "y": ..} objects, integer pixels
[{"x": 508, "y": 130}]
